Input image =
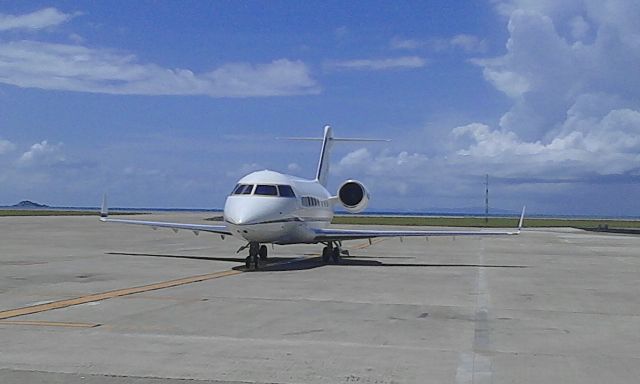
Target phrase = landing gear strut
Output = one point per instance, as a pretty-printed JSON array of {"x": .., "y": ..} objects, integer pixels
[
  {"x": 257, "y": 253},
  {"x": 331, "y": 253},
  {"x": 252, "y": 261}
]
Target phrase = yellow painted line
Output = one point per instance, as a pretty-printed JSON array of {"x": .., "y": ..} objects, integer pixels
[
  {"x": 111, "y": 294},
  {"x": 49, "y": 323}
]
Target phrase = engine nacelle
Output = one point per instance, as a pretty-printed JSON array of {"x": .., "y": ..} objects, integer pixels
[{"x": 353, "y": 196}]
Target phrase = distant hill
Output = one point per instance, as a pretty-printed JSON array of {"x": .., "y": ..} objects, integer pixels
[{"x": 29, "y": 204}]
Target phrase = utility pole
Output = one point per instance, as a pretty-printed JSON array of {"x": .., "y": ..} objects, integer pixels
[{"x": 486, "y": 201}]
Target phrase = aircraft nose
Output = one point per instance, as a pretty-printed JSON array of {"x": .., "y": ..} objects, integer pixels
[
  {"x": 241, "y": 212},
  {"x": 240, "y": 218}
]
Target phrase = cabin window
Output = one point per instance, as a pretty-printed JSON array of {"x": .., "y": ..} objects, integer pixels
[
  {"x": 286, "y": 191},
  {"x": 266, "y": 190},
  {"x": 309, "y": 201}
]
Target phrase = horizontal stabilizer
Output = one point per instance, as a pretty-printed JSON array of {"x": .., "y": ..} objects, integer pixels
[
  {"x": 333, "y": 139},
  {"x": 327, "y": 143}
]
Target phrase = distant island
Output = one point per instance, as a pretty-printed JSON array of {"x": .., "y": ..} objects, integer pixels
[{"x": 29, "y": 204}]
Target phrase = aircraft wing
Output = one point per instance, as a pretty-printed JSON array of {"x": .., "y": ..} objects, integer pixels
[
  {"x": 196, "y": 228},
  {"x": 353, "y": 234},
  {"x": 219, "y": 229}
]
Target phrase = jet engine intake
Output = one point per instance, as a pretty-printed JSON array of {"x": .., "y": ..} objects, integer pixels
[{"x": 353, "y": 196}]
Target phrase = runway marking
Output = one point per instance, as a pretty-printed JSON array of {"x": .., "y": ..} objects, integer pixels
[
  {"x": 44, "y": 307},
  {"x": 476, "y": 366},
  {"x": 49, "y": 323},
  {"x": 111, "y": 294},
  {"x": 29, "y": 310}
]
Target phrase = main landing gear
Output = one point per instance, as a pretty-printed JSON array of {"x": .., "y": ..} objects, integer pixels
[
  {"x": 257, "y": 253},
  {"x": 331, "y": 253}
]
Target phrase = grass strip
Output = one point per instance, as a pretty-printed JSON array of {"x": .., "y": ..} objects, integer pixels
[{"x": 494, "y": 222}]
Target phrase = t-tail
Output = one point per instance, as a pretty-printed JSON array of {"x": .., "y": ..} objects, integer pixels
[
  {"x": 328, "y": 140},
  {"x": 322, "y": 173}
]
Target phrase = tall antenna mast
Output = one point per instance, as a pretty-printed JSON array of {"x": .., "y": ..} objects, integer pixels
[{"x": 486, "y": 201}]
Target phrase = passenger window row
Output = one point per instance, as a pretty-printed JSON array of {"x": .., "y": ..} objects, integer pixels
[{"x": 309, "y": 201}]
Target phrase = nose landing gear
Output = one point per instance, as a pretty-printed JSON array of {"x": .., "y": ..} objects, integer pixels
[{"x": 257, "y": 253}]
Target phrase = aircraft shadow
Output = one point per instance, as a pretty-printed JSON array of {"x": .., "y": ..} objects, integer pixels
[
  {"x": 316, "y": 262},
  {"x": 239, "y": 259},
  {"x": 296, "y": 264}
]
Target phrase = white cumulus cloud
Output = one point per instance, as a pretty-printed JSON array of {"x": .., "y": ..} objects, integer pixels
[
  {"x": 40, "y": 19},
  {"x": 404, "y": 62},
  {"x": 469, "y": 43},
  {"x": 42, "y": 154},
  {"x": 32, "y": 64},
  {"x": 546, "y": 70},
  {"x": 80, "y": 68},
  {"x": 465, "y": 42},
  {"x": 386, "y": 164},
  {"x": 408, "y": 44},
  {"x": 570, "y": 70},
  {"x": 6, "y": 146},
  {"x": 585, "y": 147}
]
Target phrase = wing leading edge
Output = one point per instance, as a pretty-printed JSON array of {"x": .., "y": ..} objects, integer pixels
[
  {"x": 354, "y": 234},
  {"x": 219, "y": 229}
]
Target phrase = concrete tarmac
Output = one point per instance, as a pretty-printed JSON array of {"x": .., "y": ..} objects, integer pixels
[{"x": 548, "y": 306}]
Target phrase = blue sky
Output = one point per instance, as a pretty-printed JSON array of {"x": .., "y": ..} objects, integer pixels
[{"x": 167, "y": 104}]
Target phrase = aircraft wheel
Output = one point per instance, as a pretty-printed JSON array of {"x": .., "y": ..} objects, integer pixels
[
  {"x": 326, "y": 255},
  {"x": 335, "y": 255},
  {"x": 247, "y": 262},
  {"x": 254, "y": 263},
  {"x": 252, "y": 260},
  {"x": 263, "y": 252}
]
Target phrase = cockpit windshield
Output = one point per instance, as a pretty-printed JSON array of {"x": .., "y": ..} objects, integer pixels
[
  {"x": 243, "y": 189},
  {"x": 264, "y": 190},
  {"x": 286, "y": 191}
]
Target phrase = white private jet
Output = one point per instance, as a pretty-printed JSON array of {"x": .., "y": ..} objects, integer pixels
[{"x": 271, "y": 207}]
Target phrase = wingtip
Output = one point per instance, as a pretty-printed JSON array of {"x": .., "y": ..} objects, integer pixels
[
  {"x": 104, "y": 210},
  {"x": 521, "y": 222}
]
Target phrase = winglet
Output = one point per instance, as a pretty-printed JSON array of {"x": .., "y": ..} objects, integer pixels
[
  {"x": 104, "y": 210},
  {"x": 521, "y": 219}
]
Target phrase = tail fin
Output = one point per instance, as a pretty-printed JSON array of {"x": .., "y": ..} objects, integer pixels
[
  {"x": 323, "y": 164},
  {"x": 327, "y": 144}
]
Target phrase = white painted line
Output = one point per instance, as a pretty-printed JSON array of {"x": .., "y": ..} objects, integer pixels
[{"x": 475, "y": 366}]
